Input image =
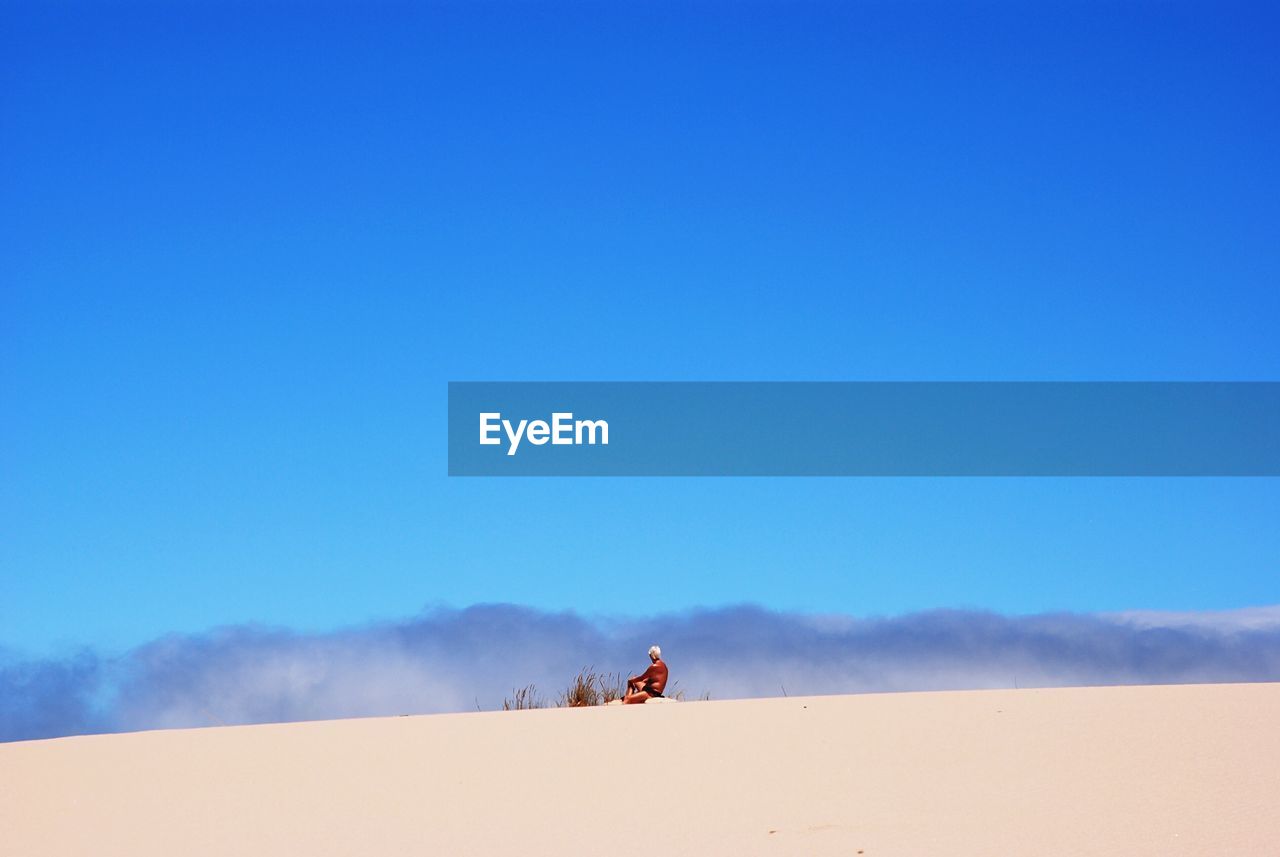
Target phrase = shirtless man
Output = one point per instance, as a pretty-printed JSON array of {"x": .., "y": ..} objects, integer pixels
[{"x": 648, "y": 684}]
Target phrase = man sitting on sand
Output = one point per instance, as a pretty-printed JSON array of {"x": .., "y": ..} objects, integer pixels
[{"x": 650, "y": 683}]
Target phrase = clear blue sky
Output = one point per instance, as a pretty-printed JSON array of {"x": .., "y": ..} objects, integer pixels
[{"x": 246, "y": 246}]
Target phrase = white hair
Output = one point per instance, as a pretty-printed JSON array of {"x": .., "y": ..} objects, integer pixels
[{"x": 655, "y": 652}]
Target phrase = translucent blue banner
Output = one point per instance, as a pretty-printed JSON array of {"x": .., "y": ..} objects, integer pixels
[{"x": 864, "y": 429}]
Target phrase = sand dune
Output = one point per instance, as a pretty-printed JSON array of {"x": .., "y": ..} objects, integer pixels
[{"x": 1118, "y": 771}]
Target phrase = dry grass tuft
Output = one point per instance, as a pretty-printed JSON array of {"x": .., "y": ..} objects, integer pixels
[
  {"x": 612, "y": 686},
  {"x": 523, "y": 698},
  {"x": 582, "y": 691},
  {"x": 589, "y": 688}
]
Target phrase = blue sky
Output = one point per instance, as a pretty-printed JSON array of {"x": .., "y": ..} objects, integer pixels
[{"x": 247, "y": 247}]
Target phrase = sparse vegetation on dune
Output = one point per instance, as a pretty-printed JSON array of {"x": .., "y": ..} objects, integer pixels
[
  {"x": 588, "y": 688},
  {"x": 614, "y": 686},
  {"x": 523, "y": 698}
]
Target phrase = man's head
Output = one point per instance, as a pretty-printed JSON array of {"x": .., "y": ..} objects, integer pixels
[{"x": 655, "y": 653}]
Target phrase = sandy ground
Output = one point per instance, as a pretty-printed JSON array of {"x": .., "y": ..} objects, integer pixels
[{"x": 1122, "y": 771}]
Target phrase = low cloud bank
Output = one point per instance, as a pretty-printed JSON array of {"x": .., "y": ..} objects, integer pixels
[{"x": 458, "y": 660}]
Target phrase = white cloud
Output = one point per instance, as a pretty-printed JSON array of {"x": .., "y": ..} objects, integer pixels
[{"x": 1245, "y": 619}]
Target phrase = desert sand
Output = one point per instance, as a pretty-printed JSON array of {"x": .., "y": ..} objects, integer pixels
[{"x": 1171, "y": 770}]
